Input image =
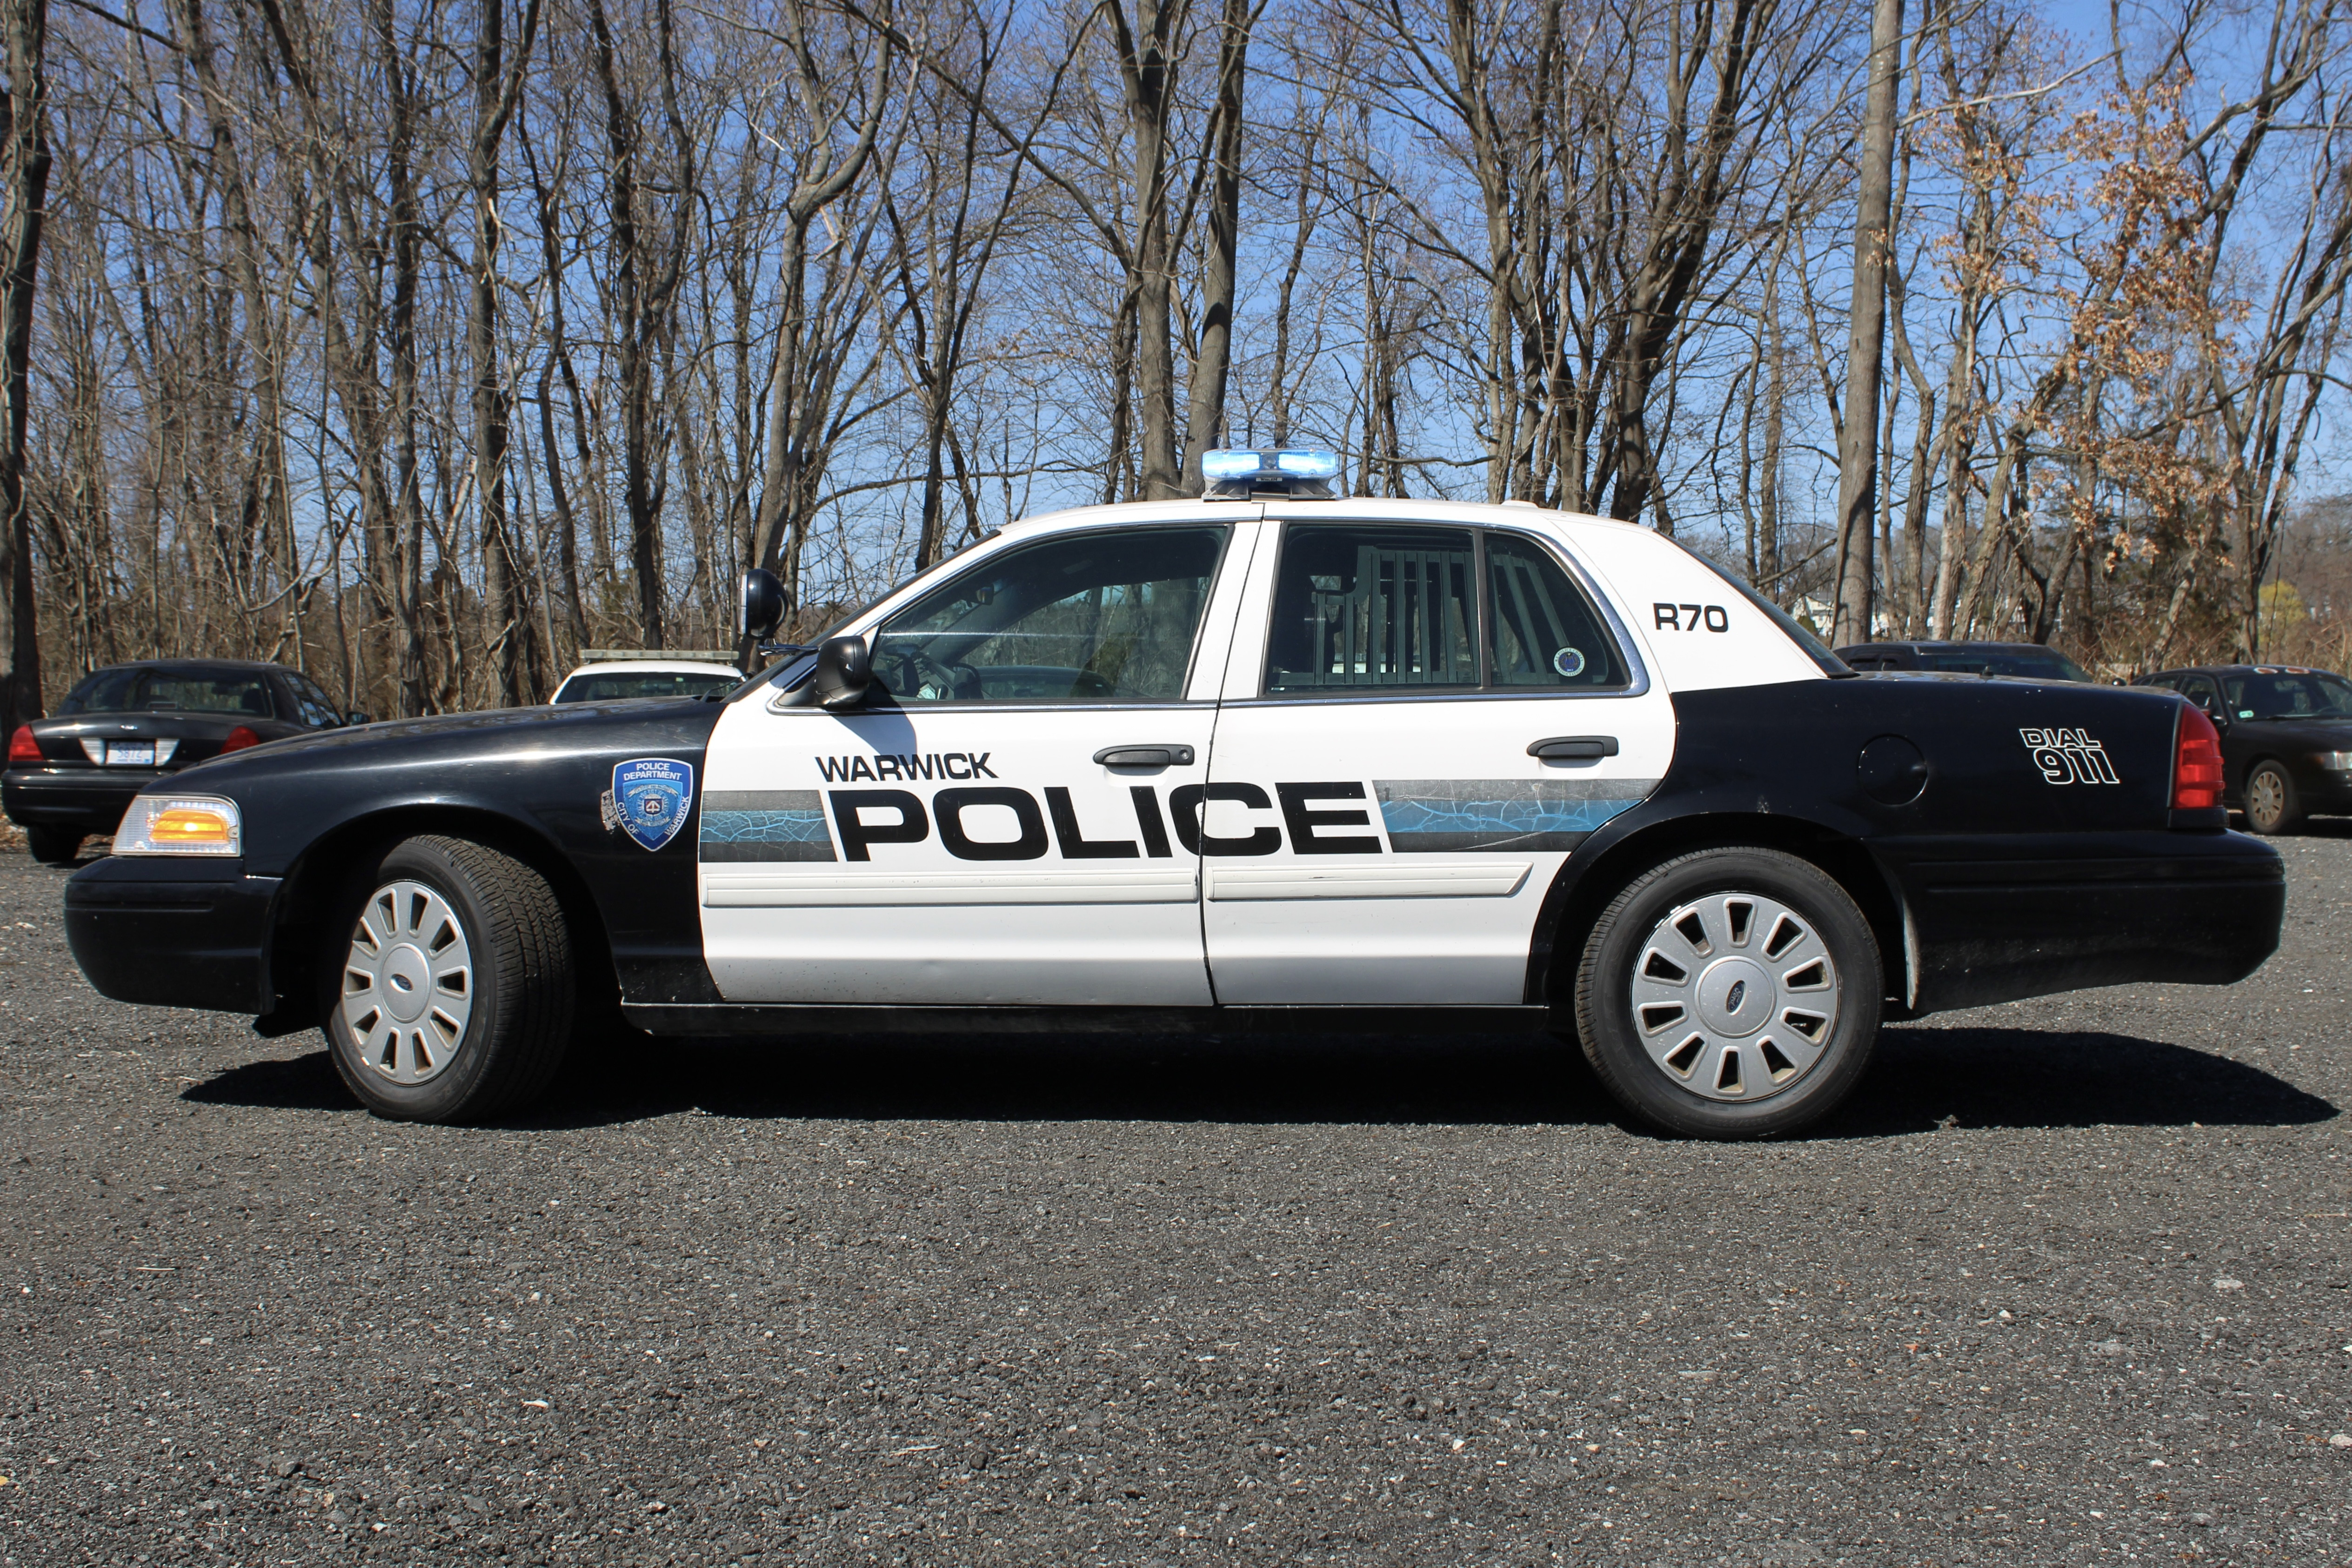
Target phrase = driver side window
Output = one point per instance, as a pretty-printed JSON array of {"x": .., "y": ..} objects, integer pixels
[{"x": 1091, "y": 617}]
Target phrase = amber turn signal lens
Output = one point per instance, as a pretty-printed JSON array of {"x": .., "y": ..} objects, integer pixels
[
  {"x": 22, "y": 747},
  {"x": 188, "y": 825}
]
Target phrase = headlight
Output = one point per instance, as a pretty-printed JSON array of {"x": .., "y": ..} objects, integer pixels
[
  {"x": 180, "y": 825},
  {"x": 2334, "y": 761}
]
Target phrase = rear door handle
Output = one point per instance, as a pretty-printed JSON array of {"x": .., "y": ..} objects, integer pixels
[
  {"x": 1147, "y": 756},
  {"x": 1573, "y": 747}
]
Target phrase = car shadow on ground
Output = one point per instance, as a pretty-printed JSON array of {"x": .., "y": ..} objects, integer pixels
[{"x": 1924, "y": 1078}]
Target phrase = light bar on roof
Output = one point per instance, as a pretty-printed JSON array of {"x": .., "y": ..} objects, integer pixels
[
  {"x": 1308, "y": 465},
  {"x": 1227, "y": 464},
  {"x": 1232, "y": 474}
]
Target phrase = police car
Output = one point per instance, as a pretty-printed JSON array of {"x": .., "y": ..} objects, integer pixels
[{"x": 1262, "y": 758}]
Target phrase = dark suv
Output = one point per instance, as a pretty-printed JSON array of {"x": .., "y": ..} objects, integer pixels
[
  {"x": 2024, "y": 660},
  {"x": 126, "y": 726},
  {"x": 2287, "y": 737}
]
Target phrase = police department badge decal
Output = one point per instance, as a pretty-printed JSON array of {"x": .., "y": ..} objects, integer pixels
[{"x": 650, "y": 799}]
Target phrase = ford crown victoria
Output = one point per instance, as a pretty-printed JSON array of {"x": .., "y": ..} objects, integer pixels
[{"x": 1251, "y": 762}]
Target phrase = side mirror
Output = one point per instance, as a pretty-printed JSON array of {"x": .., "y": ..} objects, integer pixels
[
  {"x": 844, "y": 672},
  {"x": 761, "y": 606}
]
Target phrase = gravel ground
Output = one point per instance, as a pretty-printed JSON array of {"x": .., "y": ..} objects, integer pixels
[{"x": 2067, "y": 1282}]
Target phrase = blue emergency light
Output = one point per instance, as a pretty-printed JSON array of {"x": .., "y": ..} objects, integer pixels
[{"x": 1235, "y": 474}]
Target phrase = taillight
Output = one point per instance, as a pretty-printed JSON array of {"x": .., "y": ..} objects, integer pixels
[
  {"x": 242, "y": 736},
  {"x": 22, "y": 747},
  {"x": 2197, "y": 766}
]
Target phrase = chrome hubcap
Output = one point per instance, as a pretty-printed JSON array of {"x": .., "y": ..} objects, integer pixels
[
  {"x": 1734, "y": 996},
  {"x": 408, "y": 983}
]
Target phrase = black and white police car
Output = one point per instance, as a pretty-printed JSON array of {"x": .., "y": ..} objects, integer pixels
[{"x": 1262, "y": 756}]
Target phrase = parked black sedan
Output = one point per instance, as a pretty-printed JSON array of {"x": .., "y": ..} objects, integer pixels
[
  {"x": 127, "y": 725},
  {"x": 2287, "y": 737},
  {"x": 2024, "y": 661}
]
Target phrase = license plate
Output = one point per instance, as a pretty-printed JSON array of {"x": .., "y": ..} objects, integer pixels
[{"x": 130, "y": 754}]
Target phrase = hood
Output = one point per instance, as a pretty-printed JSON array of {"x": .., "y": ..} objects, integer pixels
[{"x": 539, "y": 732}]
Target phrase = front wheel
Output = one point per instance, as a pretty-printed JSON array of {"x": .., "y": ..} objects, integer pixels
[
  {"x": 1731, "y": 993},
  {"x": 452, "y": 983},
  {"x": 2271, "y": 803}
]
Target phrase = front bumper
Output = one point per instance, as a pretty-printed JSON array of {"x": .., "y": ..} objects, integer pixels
[
  {"x": 173, "y": 933},
  {"x": 58, "y": 796},
  {"x": 1996, "y": 920}
]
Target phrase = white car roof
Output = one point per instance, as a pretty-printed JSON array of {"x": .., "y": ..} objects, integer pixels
[{"x": 1381, "y": 508}]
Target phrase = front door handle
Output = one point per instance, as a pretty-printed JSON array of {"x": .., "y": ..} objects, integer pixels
[
  {"x": 1145, "y": 756},
  {"x": 1574, "y": 747}
]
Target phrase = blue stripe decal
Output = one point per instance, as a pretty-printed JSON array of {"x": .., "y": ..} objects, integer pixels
[
  {"x": 1502, "y": 814},
  {"x": 764, "y": 825}
]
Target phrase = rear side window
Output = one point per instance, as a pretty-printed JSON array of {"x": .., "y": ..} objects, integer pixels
[
  {"x": 1360, "y": 610},
  {"x": 1545, "y": 631},
  {"x": 316, "y": 709},
  {"x": 1374, "y": 609}
]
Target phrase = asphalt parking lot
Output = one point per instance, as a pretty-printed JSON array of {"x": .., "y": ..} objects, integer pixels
[{"x": 2068, "y": 1282}]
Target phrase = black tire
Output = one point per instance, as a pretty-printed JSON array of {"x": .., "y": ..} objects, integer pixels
[
  {"x": 1645, "y": 1083},
  {"x": 2272, "y": 804},
  {"x": 54, "y": 845},
  {"x": 519, "y": 990}
]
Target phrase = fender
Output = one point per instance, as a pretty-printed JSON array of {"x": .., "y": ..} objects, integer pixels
[
  {"x": 532, "y": 779},
  {"x": 1784, "y": 766}
]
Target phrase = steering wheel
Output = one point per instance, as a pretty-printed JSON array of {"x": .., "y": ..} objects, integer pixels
[{"x": 913, "y": 668}]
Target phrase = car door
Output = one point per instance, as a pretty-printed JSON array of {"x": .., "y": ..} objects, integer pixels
[
  {"x": 1421, "y": 722},
  {"x": 997, "y": 823}
]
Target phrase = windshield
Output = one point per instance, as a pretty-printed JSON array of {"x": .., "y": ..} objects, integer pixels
[
  {"x": 2289, "y": 696},
  {"x": 625, "y": 686},
  {"x": 2026, "y": 664},
  {"x": 133, "y": 690}
]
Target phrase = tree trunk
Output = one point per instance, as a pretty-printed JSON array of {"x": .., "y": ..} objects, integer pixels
[
  {"x": 1867, "y": 342},
  {"x": 24, "y": 188},
  {"x": 1148, "y": 69},
  {"x": 1206, "y": 416},
  {"x": 497, "y": 87}
]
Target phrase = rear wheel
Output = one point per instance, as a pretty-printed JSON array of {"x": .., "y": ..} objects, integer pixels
[
  {"x": 2272, "y": 805},
  {"x": 452, "y": 983},
  {"x": 1731, "y": 993},
  {"x": 54, "y": 845}
]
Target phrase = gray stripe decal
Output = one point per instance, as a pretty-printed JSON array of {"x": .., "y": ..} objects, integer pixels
[
  {"x": 1450, "y": 815},
  {"x": 764, "y": 825}
]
